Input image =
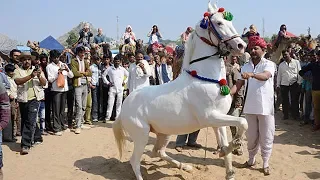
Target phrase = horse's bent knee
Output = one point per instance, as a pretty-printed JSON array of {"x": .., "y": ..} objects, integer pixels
[{"x": 244, "y": 123}]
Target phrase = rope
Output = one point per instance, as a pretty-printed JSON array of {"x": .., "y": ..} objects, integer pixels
[{"x": 206, "y": 146}]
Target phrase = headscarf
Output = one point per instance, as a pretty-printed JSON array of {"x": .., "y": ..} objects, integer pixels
[{"x": 257, "y": 41}]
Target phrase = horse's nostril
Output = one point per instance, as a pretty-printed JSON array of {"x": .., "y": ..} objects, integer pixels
[{"x": 240, "y": 46}]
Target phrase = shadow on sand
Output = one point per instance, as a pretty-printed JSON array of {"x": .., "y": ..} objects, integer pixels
[{"x": 114, "y": 169}]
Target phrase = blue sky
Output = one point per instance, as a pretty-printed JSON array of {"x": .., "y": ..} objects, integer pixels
[{"x": 36, "y": 19}]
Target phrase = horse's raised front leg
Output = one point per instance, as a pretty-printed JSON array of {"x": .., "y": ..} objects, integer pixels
[
  {"x": 159, "y": 150},
  {"x": 217, "y": 119},
  {"x": 222, "y": 139}
]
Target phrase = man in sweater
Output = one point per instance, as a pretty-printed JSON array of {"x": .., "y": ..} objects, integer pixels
[
  {"x": 314, "y": 67},
  {"x": 81, "y": 72}
]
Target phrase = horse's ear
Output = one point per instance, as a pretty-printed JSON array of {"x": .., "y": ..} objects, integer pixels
[{"x": 211, "y": 9}]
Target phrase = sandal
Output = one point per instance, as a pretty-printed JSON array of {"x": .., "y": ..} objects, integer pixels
[
  {"x": 247, "y": 165},
  {"x": 266, "y": 171}
]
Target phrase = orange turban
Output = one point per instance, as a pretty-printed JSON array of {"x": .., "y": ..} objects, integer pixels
[{"x": 257, "y": 41}]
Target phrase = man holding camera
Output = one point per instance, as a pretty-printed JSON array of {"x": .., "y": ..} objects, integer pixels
[{"x": 30, "y": 81}]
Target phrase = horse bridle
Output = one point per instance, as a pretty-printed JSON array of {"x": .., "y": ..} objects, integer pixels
[{"x": 222, "y": 43}]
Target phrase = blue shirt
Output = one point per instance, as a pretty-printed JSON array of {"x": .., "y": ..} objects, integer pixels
[
  {"x": 96, "y": 74},
  {"x": 99, "y": 39}
]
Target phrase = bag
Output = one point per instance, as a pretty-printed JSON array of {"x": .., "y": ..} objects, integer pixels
[{"x": 60, "y": 80}]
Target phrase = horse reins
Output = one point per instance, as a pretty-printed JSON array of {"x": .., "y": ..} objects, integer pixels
[{"x": 211, "y": 28}]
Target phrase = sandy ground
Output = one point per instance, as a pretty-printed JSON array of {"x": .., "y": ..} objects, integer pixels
[{"x": 93, "y": 155}]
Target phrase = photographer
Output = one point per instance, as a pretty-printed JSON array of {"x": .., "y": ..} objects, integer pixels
[
  {"x": 85, "y": 35},
  {"x": 30, "y": 82}
]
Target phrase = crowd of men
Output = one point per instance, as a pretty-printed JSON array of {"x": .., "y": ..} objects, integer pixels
[{"x": 71, "y": 90}]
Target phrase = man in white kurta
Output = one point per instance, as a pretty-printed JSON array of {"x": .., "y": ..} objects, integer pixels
[
  {"x": 139, "y": 74},
  {"x": 259, "y": 103},
  {"x": 117, "y": 80}
]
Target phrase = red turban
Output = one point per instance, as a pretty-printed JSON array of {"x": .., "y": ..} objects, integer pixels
[{"x": 257, "y": 41}]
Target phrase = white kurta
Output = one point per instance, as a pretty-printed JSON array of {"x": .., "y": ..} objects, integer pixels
[
  {"x": 260, "y": 95},
  {"x": 137, "y": 79}
]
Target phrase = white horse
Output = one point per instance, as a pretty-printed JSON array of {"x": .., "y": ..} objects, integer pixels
[{"x": 187, "y": 103}]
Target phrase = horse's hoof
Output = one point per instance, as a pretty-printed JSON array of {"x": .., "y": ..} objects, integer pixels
[
  {"x": 230, "y": 175},
  {"x": 186, "y": 168}
]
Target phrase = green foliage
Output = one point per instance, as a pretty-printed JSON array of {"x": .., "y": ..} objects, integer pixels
[
  {"x": 274, "y": 37},
  {"x": 72, "y": 38},
  {"x": 267, "y": 39}
]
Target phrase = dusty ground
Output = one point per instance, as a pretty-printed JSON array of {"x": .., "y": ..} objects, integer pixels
[{"x": 93, "y": 155}]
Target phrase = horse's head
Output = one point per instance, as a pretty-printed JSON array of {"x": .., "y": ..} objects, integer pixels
[{"x": 216, "y": 29}]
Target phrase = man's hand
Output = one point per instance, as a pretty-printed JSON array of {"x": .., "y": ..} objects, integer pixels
[
  {"x": 11, "y": 97},
  {"x": 141, "y": 65},
  {"x": 247, "y": 75},
  {"x": 34, "y": 74}
]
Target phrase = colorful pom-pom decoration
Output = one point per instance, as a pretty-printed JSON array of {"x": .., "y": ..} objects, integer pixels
[
  {"x": 206, "y": 14},
  {"x": 223, "y": 82},
  {"x": 227, "y": 16},
  {"x": 193, "y": 73},
  {"x": 224, "y": 90},
  {"x": 221, "y": 10}
]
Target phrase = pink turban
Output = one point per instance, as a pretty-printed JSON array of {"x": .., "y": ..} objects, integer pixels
[{"x": 257, "y": 41}]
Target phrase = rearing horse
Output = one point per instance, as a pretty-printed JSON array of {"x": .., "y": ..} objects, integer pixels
[{"x": 190, "y": 102}]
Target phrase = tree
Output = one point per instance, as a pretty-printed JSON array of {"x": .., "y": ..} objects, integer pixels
[
  {"x": 72, "y": 38},
  {"x": 274, "y": 37},
  {"x": 267, "y": 39}
]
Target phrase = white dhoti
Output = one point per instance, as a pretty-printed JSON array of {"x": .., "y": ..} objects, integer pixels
[{"x": 260, "y": 133}]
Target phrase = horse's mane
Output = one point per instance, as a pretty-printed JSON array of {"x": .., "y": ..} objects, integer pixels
[{"x": 188, "y": 51}]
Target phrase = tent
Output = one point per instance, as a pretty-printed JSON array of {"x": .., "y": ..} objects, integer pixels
[
  {"x": 51, "y": 43},
  {"x": 23, "y": 48}
]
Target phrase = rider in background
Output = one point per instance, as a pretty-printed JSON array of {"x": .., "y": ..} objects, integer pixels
[
  {"x": 252, "y": 32},
  {"x": 154, "y": 35},
  {"x": 128, "y": 34},
  {"x": 186, "y": 34}
]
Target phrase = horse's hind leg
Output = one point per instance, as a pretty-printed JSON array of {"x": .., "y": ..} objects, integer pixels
[
  {"x": 159, "y": 150},
  {"x": 140, "y": 136}
]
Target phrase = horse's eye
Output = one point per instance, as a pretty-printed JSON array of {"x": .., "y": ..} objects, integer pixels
[{"x": 219, "y": 23}]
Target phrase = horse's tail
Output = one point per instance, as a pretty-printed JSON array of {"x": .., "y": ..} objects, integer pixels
[{"x": 119, "y": 135}]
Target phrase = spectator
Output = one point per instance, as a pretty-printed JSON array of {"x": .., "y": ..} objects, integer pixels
[
  {"x": 41, "y": 111},
  {"x": 99, "y": 38},
  {"x": 59, "y": 93},
  {"x": 48, "y": 96},
  {"x": 117, "y": 80},
  {"x": 95, "y": 87},
  {"x": 282, "y": 35},
  {"x": 14, "y": 54},
  {"x": 105, "y": 87},
  {"x": 154, "y": 35},
  {"x": 186, "y": 34},
  {"x": 233, "y": 74},
  {"x": 252, "y": 32},
  {"x": 87, "y": 115},
  {"x": 289, "y": 81},
  {"x": 81, "y": 71},
  {"x": 162, "y": 71},
  {"x": 30, "y": 81},
  {"x": 13, "y": 128},
  {"x": 314, "y": 67},
  {"x": 258, "y": 106},
  {"x": 128, "y": 35},
  {"x": 4, "y": 119},
  {"x": 85, "y": 35},
  {"x": 139, "y": 74},
  {"x": 70, "y": 93}
]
